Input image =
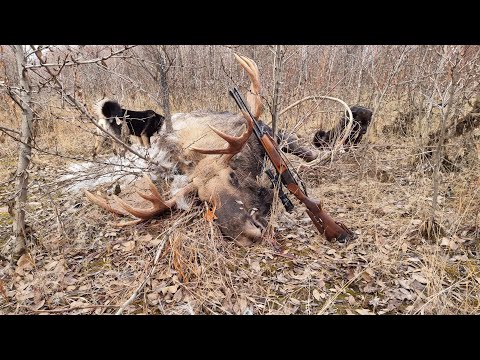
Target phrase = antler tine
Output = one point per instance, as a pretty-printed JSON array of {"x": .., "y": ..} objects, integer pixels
[
  {"x": 235, "y": 143},
  {"x": 253, "y": 97},
  {"x": 145, "y": 214},
  {"x": 152, "y": 188},
  {"x": 103, "y": 203},
  {"x": 159, "y": 205}
]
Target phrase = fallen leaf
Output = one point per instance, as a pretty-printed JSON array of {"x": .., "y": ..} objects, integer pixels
[
  {"x": 281, "y": 278},
  {"x": 295, "y": 301},
  {"x": 85, "y": 287},
  {"x": 255, "y": 265},
  {"x": 152, "y": 296},
  {"x": 38, "y": 305},
  {"x": 178, "y": 295},
  {"x": 60, "y": 267},
  {"x": 77, "y": 303},
  {"x": 51, "y": 265},
  {"x": 128, "y": 246},
  {"x": 25, "y": 261},
  {"x": 350, "y": 273},
  {"x": 169, "y": 289},
  {"x": 420, "y": 279},
  {"x": 364, "y": 312},
  {"x": 210, "y": 213},
  {"x": 144, "y": 238},
  {"x": 316, "y": 294},
  {"x": 21, "y": 296},
  {"x": 69, "y": 280},
  {"x": 370, "y": 272},
  {"x": 155, "y": 242},
  {"x": 366, "y": 277},
  {"x": 351, "y": 300}
]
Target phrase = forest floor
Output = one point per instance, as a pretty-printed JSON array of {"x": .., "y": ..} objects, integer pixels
[{"x": 78, "y": 262}]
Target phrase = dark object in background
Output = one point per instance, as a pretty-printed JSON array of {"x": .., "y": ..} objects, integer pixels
[{"x": 361, "y": 119}]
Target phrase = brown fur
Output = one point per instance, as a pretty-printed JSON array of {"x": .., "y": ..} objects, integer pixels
[{"x": 243, "y": 202}]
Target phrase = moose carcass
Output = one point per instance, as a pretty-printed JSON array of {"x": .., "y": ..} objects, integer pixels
[{"x": 230, "y": 181}]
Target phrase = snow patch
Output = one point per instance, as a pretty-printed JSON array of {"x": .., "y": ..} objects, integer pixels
[{"x": 116, "y": 169}]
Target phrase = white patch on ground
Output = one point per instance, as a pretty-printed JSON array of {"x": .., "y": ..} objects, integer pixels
[
  {"x": 179, "y": 181},
  {"x": 115, "y": 169}
]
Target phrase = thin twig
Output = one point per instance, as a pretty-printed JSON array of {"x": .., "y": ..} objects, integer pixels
[
  {"x": 10, "y": 130},
  {"x": 80, "y": 62},
  {"x": 53, "y": 311}
]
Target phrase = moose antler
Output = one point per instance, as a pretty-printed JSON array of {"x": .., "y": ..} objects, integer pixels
[
  {"x": 159, "y": 205},
  {"x": 235, "y": 144},
  {"x": 253, "y": 97}
]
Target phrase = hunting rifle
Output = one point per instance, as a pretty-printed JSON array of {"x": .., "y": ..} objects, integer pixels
[{"x": 320, "y": 218}]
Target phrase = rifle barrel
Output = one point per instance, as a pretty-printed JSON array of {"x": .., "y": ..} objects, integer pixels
[{"x": 321, "y": 219}]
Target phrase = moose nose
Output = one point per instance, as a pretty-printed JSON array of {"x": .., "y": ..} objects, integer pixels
[{"x": 251, "y": 234}]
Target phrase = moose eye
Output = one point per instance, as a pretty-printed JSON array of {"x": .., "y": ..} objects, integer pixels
[{"x": 234, "y": 179}]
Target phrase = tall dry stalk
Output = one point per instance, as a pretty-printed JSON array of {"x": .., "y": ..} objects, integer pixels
[{"x": 277, "y": 65}]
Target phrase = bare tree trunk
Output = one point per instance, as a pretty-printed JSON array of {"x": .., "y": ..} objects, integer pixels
[
  {"x": 360, "y": 76},
  {"x": 432, "y": 231},
  {"x": 162, "y": 69},
  {"x": 279, "y": 52},
  {"x": 303, "y": 71},
  {"x": 24, "y": 154}
]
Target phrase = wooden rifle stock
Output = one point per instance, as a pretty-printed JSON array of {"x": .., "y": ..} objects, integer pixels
[{"x": 320, "y": 218}]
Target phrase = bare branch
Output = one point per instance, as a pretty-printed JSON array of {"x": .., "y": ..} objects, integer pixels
[
  {"x": 90, "y": 117},
  {"x": 79, "y": 62},
  {"x": 9, "y": 130}
]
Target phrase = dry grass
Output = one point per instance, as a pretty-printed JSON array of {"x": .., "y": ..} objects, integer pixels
[{"x": 79, "y": 263}]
